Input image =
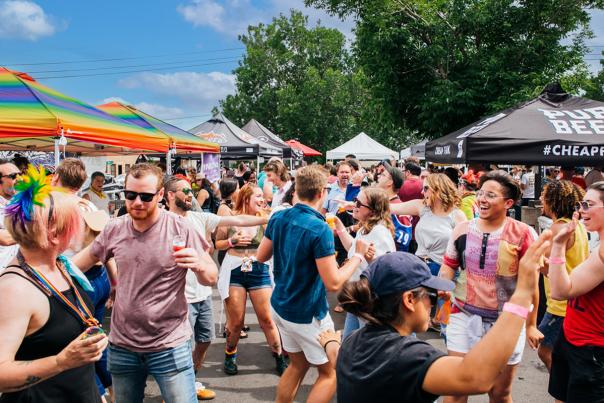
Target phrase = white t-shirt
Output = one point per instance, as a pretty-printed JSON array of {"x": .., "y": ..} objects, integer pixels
[
  {"x": 7, "y": 253},
  {"x": 383, "y": 242},
  {"x": 278, "y": 195},
  {"x": 205, "y": 223},
  {"x": 100, "y": 203},
  {"x": 528, "y": 180}
]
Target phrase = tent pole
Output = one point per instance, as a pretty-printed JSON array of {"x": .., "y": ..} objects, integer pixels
[
  {"x": 169, "y": 162},
  {"x": 57, "y": 152}
]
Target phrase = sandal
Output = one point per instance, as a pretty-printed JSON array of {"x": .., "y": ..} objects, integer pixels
[{"x": 242, "y": 335}]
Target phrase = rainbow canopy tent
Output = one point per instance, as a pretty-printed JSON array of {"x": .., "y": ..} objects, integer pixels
[
  {"x": 34, "y": 117},
  {"x": 181, "y": 140}
]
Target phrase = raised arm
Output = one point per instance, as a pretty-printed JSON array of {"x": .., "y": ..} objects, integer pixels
[
  {"x": 85, "y": 259},
  {"x": 334, "y": 277},
  {"x": 242, "y": 221},
  {"x": 412, "y": 207}
]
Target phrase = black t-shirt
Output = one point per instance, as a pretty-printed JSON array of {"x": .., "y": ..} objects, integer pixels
[{"x": 377, "y": 364}]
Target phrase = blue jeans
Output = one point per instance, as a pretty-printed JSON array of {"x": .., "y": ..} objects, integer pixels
[
  {"x": 100, "y": 282},
  {"x": 351, "y": 324},
  {"x": 172, "y": 369}
]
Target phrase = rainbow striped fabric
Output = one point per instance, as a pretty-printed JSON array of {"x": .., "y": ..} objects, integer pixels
[
  {"x": 182, "y": 140},
  {"x": 32, "y": 115}
]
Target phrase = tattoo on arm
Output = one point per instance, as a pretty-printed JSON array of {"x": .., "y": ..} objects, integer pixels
[{"x": 29, "y": 381}]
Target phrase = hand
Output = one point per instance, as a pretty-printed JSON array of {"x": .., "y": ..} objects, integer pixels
[
  {"x": 566, "y": 232},
  {"x": 82, "y": 351},
  {"x": 370, "y": 254},
  {"x": 531, "y": 263},
  {"x": 241, "y": 239},
  {"x": 361, "y": 247},
  {"x": 533, "y": 336},
  {"x": 187, "y": 258},
  {"x": 329, "y": 335},
  {"x": 111, "y": 299},
  {"x": 339, "y": 226}
]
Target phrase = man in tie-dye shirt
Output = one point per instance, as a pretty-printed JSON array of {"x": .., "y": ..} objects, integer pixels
[{"x": 483, "y": 256}]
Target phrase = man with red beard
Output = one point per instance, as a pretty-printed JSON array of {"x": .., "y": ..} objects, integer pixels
[{"x": 150, "y": 330}]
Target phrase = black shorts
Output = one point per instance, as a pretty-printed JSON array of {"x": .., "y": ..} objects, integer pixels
[{"x": 577, "y": 373}]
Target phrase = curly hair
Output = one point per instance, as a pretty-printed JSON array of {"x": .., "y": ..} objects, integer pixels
[
  {"x": 443, "y": 189},
  {"x": 560, "y": 197},
  {"x": 378, "y": 202}
]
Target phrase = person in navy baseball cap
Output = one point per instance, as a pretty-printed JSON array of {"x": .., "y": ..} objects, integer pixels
[{"x": 400, "y": 271}]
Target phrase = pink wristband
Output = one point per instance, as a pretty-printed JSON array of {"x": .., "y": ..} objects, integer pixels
[
  {"x": 557, "y": 260},
  {"x": 516, "y": 310},
  {"x": 361, "y": 257}
]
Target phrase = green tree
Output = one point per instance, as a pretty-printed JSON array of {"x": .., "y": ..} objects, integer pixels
[
  {"x": 434, "y": 66},
  {"x": 299, "y": 82}
]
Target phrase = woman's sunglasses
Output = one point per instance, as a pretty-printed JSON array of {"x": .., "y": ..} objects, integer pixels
[
  {"x": 145, "y": 197},
  {"x": 585, "y": 206},
  {"x": 358, "y": 203}
]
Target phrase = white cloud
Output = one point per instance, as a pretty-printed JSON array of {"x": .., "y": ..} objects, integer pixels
[
  {"x": 24, "y": 19},
  {"x": 232, "y": 17},
  {"x": 160, "y": 111},
  {"x": 195, "y": 90},
  {"x": 112, "y": 99}
]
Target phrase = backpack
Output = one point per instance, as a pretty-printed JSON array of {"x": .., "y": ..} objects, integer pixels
[{"x": 403, "y": 232}]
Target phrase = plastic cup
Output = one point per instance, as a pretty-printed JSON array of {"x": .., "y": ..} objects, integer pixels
[{"x": 331, "y": 220}]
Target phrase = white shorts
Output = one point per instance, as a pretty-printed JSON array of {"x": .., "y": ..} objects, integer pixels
[
  {"x": 297, "y": 337},
  {"x": 464, "y": 331}
]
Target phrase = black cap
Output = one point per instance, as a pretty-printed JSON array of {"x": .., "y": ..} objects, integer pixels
[
  {"x": 396, "y": 174},
  {"x": 401, "y": 271}
]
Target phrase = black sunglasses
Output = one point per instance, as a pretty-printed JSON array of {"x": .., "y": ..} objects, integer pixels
[
  {"x": 12, "y": 176},
  {"x": 432, "y": 295},
  {"x": 145, "y": 197},
  {"x": 358, "y": 203}
]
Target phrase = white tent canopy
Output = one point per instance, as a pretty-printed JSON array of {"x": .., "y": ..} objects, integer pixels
[{"x": 364, "y": 147}]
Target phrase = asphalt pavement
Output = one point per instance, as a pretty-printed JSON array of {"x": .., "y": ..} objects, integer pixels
[{"x": 257, "y": 379}]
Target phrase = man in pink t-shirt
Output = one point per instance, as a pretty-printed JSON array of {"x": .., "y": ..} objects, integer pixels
[{"x": 150, "y": 332}]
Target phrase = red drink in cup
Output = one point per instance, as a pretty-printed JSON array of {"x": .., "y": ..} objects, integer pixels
[{"x": 178, "y": 243}]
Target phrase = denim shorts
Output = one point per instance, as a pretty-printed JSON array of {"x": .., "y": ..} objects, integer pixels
[
  {"x": 202, "y": 322},
  {"x": 259, "y": 277},
  {"x": 550, "y": 326}
]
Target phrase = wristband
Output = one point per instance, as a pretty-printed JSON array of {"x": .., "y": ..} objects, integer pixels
[
  {"x": 230, "y": 243},
  {"x": 517, "y": 310},
  {"x": 340, "y": 232},
  {"x": 557, "y": 260},
  {"x": 361, "y": 257},
  {"x": 330, "y": 341},
  {"x": 113, "y": 283}
]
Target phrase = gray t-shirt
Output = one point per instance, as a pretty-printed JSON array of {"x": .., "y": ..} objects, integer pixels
[{"x": 150, "y": 309}]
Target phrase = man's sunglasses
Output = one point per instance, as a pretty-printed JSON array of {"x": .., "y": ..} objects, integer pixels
[
  {"x": 145, "y": 197},
  {"x": 358, "y": 204},
  {"x": 12, "y": 176},
  {"x": 585, "y": 206},
  {"x": 187, "y": 191}
]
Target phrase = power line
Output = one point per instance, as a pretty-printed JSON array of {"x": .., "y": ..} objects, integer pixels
[
  {"x": 129, "y": 66},
  {"x": 134, "y": 71},
  {"x": 189, "y": 117},
  {"x": 124, "y": 58}
]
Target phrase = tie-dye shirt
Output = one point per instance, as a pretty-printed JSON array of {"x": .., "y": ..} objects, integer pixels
[{"x": 487, "y": 265}]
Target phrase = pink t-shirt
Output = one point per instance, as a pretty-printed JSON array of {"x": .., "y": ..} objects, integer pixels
[{"x": 150, "y": 309}]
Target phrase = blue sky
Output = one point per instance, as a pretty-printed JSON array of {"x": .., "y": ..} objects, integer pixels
[{"x": 190, "y": 45}]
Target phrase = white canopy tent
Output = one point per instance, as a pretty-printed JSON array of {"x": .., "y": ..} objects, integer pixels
[{"x": 364, "y": 147}]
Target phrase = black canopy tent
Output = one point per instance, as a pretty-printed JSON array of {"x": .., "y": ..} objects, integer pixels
[
  {"x": 235, "y": 143},
  {"x": 260, "y": 132},
  {"x": 554, "y": 129}
]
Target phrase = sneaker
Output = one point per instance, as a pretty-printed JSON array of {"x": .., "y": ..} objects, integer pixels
[
  {"x": 203, "y": 393},
  {"x": 230, "y": 364},
  {"x": 281, "y": 364}
]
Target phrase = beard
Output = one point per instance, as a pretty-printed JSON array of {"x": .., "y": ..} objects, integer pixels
[
  {"x": 141, "y": 214},
  {"x": 183, "y": 205}
]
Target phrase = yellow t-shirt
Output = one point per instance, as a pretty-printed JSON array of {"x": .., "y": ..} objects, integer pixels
[{"x": 574, "y": 256}]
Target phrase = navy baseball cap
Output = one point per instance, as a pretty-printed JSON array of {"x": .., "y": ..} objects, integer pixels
[{"x": 401, "y": 271}]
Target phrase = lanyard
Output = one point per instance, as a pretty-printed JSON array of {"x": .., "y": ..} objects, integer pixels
[{"x": 80, "y": 308}]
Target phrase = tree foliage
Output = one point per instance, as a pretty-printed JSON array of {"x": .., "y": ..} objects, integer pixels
[
  {"x": 433, "y": 66},
  {"x": 299, "y": 82}
]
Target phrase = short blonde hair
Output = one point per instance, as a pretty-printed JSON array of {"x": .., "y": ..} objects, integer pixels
[
  {"x": 310, "y": 182},
  {"x": 443, "y": 189},
  {"x": 60, "y": 215}
]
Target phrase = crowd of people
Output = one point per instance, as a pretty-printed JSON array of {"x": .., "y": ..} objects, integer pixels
[{"x": 406, "y": 248}]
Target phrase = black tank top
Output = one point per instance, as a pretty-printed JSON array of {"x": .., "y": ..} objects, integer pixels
[{"x": 76, "y": 385}]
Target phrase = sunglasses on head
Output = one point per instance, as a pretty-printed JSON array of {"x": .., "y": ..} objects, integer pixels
[
  {"x": 358, "y": 203},
  {"x": 145, "y": 197},
  {"x": 12, "y": 176}
]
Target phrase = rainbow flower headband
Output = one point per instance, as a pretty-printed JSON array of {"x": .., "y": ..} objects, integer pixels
[{"x": 32, "y": 189}]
